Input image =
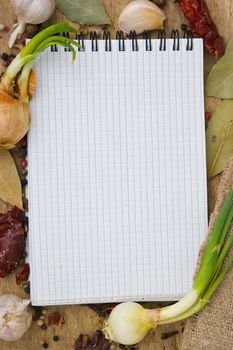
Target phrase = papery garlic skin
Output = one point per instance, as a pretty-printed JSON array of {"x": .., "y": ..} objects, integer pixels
[
  {"x": 128, "y": 323},
  {"x": 140, "y": 15},
  {"x": 14, "y": 120},
  {"x": 15, "y": 317},
  {"x": 30, "y": 11}
]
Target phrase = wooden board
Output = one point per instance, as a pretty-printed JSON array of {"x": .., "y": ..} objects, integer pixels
[{"x": 80, "y": 319}]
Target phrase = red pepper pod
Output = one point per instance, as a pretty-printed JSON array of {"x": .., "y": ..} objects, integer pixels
[
  {"x": 12, "y": 240},
  {"x": 202, "y": 25}
]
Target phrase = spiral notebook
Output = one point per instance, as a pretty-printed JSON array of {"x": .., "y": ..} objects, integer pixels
[{"x": 117, "y": 171}]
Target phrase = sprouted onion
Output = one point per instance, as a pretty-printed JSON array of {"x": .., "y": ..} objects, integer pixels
[
  {"x": 17, "y": 84},
  {"x": 129, "y": 322}
]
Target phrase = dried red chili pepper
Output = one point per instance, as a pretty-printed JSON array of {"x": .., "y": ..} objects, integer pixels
[
  {"x": 12, "y": 240},
  {"x": 202, "y": 25}
]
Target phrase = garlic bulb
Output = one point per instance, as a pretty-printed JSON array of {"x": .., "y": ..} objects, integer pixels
[
  {"x": 30, "y": 11},
  {"x": 15, "y": 317},
  {"x": 140, "y": 15}
]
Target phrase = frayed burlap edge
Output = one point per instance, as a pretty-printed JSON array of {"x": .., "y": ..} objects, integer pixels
[{"x": 212, "y": 328}]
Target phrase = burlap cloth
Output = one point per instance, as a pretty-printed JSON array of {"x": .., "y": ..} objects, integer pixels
[{"x": 212, "y": 328}]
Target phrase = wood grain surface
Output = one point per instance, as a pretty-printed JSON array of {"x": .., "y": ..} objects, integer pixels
[{"x": 80, "y": 319}]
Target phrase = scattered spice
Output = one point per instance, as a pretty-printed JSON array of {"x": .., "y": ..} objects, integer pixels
[
  {"x": 37, "y": 313},
  {"x": 27, "y": 288},
  {"x": 56, "y": 338},
  {"x": 202, "y": 25},
  {"x": 5, "y": 56},
  {"x": 7, "y": 29},
  {"x": 22, "y": 152},
  {"x": 44, "y": 312},
  {"x": 45, "y": 345},
  {"x": 24, "y": 182},
  {"x": 24, "y": 163},
  {"x": 85, "y": 341},
  {"x": 207, "y": 116},
  {"x": 78, "y": 343},
  {"x": 106, "y": 345},
  {"x": 23, "y": 274},
  {"x": 214, "y": 138},
  {"x": 44, "y": 326},
  {"x": 12, "y": 240},
  {"x": 168, "y": 335},
  {"x": 98, "y": 335},
  {"x": 160, "y": 3},
  {"x": 40, "y": 323},
  {"x": 102, "y": 310},
  {"x": 56, "y": 319}
]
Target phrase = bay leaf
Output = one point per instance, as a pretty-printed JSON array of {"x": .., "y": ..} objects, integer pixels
[
  {"x": 10, "y": 185},
  {"x": 220, "y": 80},
  {"x": 219, "y": 138},
  {"x": 83, "y": 11}
]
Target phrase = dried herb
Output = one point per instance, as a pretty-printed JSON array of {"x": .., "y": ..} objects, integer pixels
[
  {"x": 10, "y": 185},
  {"x": 219, "y": 136},
  {"x": 198, "y": 16},
  {"x": 84, "y": 12},
  {"x": 220, "y": 80},
  {"x": 12, "y": 240}
]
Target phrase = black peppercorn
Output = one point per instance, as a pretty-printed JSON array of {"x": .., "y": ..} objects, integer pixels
[
  {"x": 5, "y": 56},
  {"x": 55, "y": 338},
  {"x": 24, "y": 182},
  {"x": 45, "y": 345}
]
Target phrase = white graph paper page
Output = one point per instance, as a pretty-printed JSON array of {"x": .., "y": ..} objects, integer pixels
[{"x": 117, "y": 174}]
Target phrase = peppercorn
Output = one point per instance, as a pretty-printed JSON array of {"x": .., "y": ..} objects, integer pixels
[
  {"x": 5, "y": 56},
  {"x": 45, "y": 345},
  {"x": 44, "y": 326},
  {"x": 24, "y": 182},
  {"x": 184, "y": 27},
  {"x": 55, "y": 338},
  {"x": 27, "y": 289}
]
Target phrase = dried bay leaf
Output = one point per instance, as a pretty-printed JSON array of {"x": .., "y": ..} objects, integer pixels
[
  {"x": 220, "y": 80},
  {"x": 219, "y": 138},
  {"x": 10, "y": 185},
  {"x": 83, "y": 11}
]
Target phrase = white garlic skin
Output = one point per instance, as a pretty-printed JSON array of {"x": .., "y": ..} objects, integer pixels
[
  {"x": 15, "y": 317},
  {"x": 140, "y": 15},
  {"x": 32, "y": 12}
]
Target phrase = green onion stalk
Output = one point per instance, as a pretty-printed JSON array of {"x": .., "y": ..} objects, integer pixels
[
  {"x": 129, "y": 322},
  {"x": 17, "y": 84}
]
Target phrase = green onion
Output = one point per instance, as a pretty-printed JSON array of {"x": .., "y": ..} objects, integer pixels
[
  {"x": 129, "y": 322},
  {"x": 18, "y": 82}
]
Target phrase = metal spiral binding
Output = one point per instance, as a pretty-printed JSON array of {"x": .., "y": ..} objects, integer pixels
[
  {"x": 176, "y": 37},
  {"x": 121, "y": 39},
  {"x": 162, "y": 37},
  {"x": 134, "y": 40},
  {"x": 147, "y": 38},
  {"x": 80, "y": 39},
  {"x": 67, "y": 35},
  {"x": 189, "y": 35},
  {"x": 94, "y": 41},
  {"x": 108, "y": 42}
]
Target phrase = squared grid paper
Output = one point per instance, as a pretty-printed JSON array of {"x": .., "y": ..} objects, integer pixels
[{"x": 117, "y": 174}]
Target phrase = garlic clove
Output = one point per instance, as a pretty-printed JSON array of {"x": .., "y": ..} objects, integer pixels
[
  {"x": 30, "y": 11},
  {"x": 15, "y": 317},
  {"x": 140, "y": 15},
  {"x": 14, "y": 120}
]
